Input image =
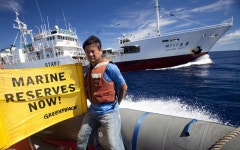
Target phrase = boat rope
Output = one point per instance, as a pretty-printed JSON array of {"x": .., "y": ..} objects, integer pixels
[{"x": 220, "y": 143}]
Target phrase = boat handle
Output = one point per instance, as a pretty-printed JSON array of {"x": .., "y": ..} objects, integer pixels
[{"x": 187, "y": 127}]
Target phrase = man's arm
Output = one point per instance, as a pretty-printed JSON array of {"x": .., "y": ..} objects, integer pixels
[
  {"x": 122, "y": 92},
  {"x": 113, "y": 73}
]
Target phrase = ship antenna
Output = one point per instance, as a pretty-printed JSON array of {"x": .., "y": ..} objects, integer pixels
[
  {"x": 15, "y": 39},
  {"x": 157, "y": 11},
  {"x": 48, "y": 24},
  {"x": 64, "y": 19},
  {"x": 39, "y": 11}
]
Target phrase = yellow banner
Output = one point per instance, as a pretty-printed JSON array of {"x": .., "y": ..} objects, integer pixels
[{"x": 34, "y": 99}]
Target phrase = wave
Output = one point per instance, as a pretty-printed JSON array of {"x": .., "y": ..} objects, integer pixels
[
  {"x": 172, "y": 107},
  {"x": 203, "y": 60}
]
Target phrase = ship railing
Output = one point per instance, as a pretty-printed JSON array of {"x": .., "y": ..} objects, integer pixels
[
  {"x": 59, "y": 31},
  {"x": 33, "y": 58},
  {"x": 39, "y": 57},
  {"x": 43, "y": 34},
  {"x": 228, "y": 22},
  {"x": 200, "y": 28},
  {"x": 12, "y": 61}
]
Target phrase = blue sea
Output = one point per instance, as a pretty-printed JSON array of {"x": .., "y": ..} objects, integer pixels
[{"x": 206, "y": 89}]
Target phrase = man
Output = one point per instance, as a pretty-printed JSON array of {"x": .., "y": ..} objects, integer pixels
[{"x": 105, "y": 87}]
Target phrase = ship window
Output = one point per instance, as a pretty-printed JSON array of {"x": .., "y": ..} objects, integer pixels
[
  {"x": 174, "y": 40},
  {"x": 213, "y": 35},
  {"x": 53, "y": 32},
  {"x": 124, "y": 41},
  {"x": 131, "y": 49},
  {"x": 106, "y": 52},
  {"x": 164, "y": 41}
]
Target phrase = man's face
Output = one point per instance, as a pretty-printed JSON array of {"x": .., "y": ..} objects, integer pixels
[{"x": 93, "y": 53}]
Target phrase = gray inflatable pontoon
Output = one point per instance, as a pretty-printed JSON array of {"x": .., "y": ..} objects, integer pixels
[
  {"x": 151, "y": 131},
  {"x": 148, "y": 131}
]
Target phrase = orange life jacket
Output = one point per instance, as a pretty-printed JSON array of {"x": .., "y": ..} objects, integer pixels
[{"x": 97, "y": 89}]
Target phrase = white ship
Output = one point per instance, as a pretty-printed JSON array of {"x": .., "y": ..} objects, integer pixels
[
  {"x": 47, "y": 48},
  {"x": 168, "y": 50},
  {"x": 58, "y": 47}
]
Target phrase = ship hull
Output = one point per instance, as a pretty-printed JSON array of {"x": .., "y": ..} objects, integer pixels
[{"x": 157, "y": 63}]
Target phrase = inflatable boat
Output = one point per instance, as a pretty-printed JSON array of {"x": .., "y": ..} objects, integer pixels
[{"x": 147, "y": 131}]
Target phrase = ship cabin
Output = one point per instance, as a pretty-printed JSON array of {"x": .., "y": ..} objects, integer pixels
[{"x": 58, "y": 42}]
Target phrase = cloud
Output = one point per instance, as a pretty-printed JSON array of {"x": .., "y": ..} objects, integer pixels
[
  {"x": 9, "y": 5},
  {"x": 230, "y": 38},
  {"x": 139, "y": 23},
  {"x": 213, "y": 7}
]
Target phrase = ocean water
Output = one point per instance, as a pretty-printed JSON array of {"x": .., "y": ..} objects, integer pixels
[{"x": 207, "y": 89}]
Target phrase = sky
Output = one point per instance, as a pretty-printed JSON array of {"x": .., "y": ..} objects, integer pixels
[{"x": 111, "y": 19}]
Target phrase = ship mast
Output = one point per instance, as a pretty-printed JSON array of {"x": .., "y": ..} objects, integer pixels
[
  {"x": 157, "y": 12},
  {"x": 22, "y": 27}
]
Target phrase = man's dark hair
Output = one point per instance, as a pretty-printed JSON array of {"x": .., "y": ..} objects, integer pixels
[{"x": 92, "y": 40}]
